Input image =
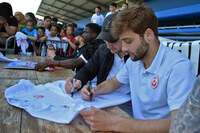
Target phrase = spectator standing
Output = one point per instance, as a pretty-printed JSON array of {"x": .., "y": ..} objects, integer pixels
[
  {"x": 32, "y": 35},
  {"x": 124, "y": 6},
  {"x": 40, "y": 43},
  {"x": 97, "y": 18},
  {"x": 47, "y": 23},
  {"x": 20, "y": 19},
  {"x": 52, "y": 43},
  {"x": 54, "y": 21},
  {"x": 30, "y": 15},
  {"x": 112, "y": 8},
  {"x": 70, "y": 39}
]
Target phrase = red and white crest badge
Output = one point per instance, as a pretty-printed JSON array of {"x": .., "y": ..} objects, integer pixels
[{"x": 155, "y": 82}]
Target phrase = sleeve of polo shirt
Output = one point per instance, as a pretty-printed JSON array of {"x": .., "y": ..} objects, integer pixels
[
  {"x": 122, "y": 75},
  {"x": 180, "y": 83}
]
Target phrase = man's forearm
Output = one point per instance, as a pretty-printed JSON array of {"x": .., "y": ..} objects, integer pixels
[
  {"x": 141, "y": 126},
  {"x": 107, "y": 86},
  {"x": 70, "y": 63}
]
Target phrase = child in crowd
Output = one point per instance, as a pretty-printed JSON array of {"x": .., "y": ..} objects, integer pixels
[
  {"x": 31, "y": 35},
  {"x": 52, "y": 45},
  {"x": 70, "y": 39},
  {"x": 64, "y": 41},
  {"x": 30, "y": 15},
  {"x": 40, "y": 42}
]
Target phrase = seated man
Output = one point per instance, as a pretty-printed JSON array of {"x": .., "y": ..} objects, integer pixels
[
  {"x": 187, "y": 119},
  {"x": 160, "y": 79},
  {"x": 88, "y": 45},
  {"x": 105, "y": 63}
]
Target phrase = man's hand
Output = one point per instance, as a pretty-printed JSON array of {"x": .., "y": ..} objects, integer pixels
[
  {"x": 42, "y": 65},
  {"x": 68, "y": 85},
  {"x": 99, "y": 120},
  {"x": 85, "y": 93}
]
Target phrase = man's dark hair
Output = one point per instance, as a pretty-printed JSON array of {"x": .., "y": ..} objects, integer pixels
[
  {"x": 47, "y": 17},
  {"x": 42, "y": 28},
  {"x": 99, "y": 7},
  {"x": 113, "y": 4},
  {"x": 55, "y": 19},
  {"x": 95, "y": 28}
]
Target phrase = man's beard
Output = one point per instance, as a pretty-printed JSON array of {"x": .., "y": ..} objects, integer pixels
[{"x": 141, "y": 51}]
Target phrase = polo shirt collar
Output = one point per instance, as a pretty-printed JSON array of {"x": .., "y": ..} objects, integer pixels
[{"x": 155, "y": 66}]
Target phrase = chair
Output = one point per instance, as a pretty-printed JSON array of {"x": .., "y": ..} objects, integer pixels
[{"x": 190, "y": 49}]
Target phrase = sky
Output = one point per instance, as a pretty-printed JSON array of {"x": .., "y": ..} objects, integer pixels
[{"x": 24, "y": 6}]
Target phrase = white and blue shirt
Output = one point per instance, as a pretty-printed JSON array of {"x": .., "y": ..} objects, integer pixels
[
  {"x": 97, "y": 19},
  {"x": 54, "y": 41},
  {"x": 47, "y": 32},
  {"x": 161, "y": 88},
  {"x": 109, "y": 13}
]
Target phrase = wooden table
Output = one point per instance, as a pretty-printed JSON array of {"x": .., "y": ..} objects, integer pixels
[{"x": 16, "y": 120}]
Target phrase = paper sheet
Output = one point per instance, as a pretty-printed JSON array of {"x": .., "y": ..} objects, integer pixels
[
  {"x": 21, "y": 64},
  {"x": 50, "y": 101},
  {"x": 5, "y": 59}
]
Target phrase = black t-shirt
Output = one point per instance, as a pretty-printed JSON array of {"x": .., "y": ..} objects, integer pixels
[{"x": 12, "y": 21}]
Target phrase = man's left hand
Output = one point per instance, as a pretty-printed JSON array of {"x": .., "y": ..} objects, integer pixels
[{"x": 98, "y": 119}]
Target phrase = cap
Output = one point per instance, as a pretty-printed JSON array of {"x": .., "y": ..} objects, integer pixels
[{"x": 105, "y": 33}]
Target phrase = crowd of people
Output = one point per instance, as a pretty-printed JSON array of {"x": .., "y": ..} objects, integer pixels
[
  {"x": 120, "y": 52},
  {"x": 36, "y": 41}
]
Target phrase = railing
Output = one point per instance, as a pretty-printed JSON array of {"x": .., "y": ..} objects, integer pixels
[
  {"x": 181, "y": 33},
  {"x": 9, "y": 48}
]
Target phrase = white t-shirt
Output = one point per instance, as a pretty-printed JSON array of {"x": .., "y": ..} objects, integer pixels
[
  {"x": 116, "y": 67},
  {"x": 109, "y": 13},
  {"x": 47, "y": 32},
  {"x": 53, "y": 42},
  {"x": 161, "y": 88},
  {"x": 97, "y": 18}
]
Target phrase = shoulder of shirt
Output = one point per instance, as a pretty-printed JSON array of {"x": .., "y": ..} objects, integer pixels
[{"x": 174, "y": 56}]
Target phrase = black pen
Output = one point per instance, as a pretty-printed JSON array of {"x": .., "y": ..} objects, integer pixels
[
  {"x": 73, "y": 82},
  {"x": 72, "y": 90},
  {"x": 90, "y": 89}
]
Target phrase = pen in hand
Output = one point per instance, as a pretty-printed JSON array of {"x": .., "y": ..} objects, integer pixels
[
  {"x": 73, "y": 82},
  {"x": 73, "y": 89},
  {"x": 90, "y": 90}
]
